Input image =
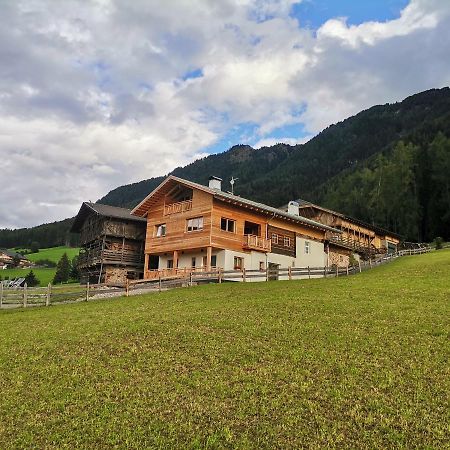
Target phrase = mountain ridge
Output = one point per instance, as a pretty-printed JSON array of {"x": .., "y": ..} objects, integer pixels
[{"x": 359, "y": 147}]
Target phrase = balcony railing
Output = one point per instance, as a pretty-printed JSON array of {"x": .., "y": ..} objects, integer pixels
[
  {"x": 353, "y": 244},
  {"x": 175, "y": 272},
  {"x": 176, "y": 208},
  {"x": 258, "y": 243}
]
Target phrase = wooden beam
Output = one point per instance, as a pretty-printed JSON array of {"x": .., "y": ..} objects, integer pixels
[
  {"x": 175, "y": 259},
  {"x": 208, "y": 258}
]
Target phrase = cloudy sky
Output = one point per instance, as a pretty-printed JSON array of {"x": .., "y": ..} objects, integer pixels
[{"x": 96, "y": 94}]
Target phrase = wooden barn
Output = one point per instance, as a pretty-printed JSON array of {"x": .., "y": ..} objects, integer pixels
[
  {"x": 191, "y": 227},
  {"x": 112, "y": 244}
]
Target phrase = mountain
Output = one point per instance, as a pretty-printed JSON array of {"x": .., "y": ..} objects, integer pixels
[{"x": 387, "y": 165}]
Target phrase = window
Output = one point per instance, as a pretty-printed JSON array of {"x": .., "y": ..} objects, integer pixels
[
  {"x": 287, "y": 241},
  {"x": 262, "y": 265},
  {"x": 274, "y": 238},
  {"x": 228, "y": 225},
  {"x": 193, "y": 261},
  {"x": 307, "y": 247},
  {"x": 195, "y": 224},
  {"x": 170, "y": 263},
  {"x": 160, "y": 230},
  {"x": 213, "y": 261},
  {"x": 238, "y": 263}
]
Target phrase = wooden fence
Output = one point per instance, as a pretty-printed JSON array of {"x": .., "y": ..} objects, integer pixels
[{"x": 27, "y": 297}]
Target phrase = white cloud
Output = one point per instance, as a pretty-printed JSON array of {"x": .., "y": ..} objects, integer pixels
[{"x": 93, "y": 95}]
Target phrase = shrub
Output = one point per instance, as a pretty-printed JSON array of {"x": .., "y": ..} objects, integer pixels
[
  {"x": 31, "y": 279},
  {"x": 438, "y": 243}
]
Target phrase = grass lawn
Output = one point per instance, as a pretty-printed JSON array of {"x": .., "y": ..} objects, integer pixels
[
  {"x": 356, "y": 362},
  {"x": 53, "y": 253},
  {"x": 44, "y": 275}
]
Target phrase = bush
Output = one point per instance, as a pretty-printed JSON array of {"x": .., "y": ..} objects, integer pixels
[
  {"x": 438, "y": 243},
  {"x": 31, "y": 279},
  {"x": 45, "y": 263}
]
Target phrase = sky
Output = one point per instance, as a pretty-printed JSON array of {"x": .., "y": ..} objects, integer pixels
[{"x": 95, "y": 94}]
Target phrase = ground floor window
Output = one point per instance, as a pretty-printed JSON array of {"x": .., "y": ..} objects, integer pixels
[
  {"x": 213, "y": 261},
  {"x": 262, "y": 265},
  {"x": 170, "y": 263},
  {"x": 307, "y": 247},
  {"x": 238, "y": 263},
  {"x": 193, "y": 261}
]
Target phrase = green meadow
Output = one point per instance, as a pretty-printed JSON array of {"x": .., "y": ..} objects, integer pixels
[
  {"x": 44, "y": 275},
  {"x": 53, "y": 253},
  {"x": 352, "y": 362}
]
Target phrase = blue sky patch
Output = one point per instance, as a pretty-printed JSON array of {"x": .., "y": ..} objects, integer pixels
[{"x": 314, "y": 13}]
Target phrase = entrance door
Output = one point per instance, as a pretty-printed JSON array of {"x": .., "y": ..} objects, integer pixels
[{"x": 273, "y": 271}]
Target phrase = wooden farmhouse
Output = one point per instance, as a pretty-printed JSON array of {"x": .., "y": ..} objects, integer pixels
[
  {"x": 196, "y": 227},
  {"x": 112, "y": 244},
  {"x": 10, "y": 258},
  {"x": 355, "y": 237}
]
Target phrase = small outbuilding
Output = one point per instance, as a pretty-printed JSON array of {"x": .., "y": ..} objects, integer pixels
[{"x": 112, "y": 244}]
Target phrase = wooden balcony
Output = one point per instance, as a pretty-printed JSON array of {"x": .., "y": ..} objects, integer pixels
[
  {"x": 260, "y": 244},
  {"x": 176, "y": 208},
  {"x": 353, "y": 244}
]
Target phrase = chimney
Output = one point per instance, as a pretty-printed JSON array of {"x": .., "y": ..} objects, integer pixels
[
  {"x": 215, "y": 183},
  {"x": 293, "y": 208}
]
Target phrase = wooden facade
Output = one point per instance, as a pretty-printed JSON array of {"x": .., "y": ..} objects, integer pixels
[
  {"x": 190, "y": 226},
  {"x": 112, "y": 244},
  {"x": 356, "y": 236}
]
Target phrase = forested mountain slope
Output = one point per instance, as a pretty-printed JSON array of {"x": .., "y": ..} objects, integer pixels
[{"x": 387, "y": 165}]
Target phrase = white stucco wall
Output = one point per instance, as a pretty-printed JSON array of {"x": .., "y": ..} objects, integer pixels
[{"x": 225, "y": 258}]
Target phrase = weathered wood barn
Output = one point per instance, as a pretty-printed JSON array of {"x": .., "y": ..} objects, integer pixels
[
  {"x": 356, "y": 236},
  {"x": 196, "y": 227},
  {"x": 112, "y": 244}
]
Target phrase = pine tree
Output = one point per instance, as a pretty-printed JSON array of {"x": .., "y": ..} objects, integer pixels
[
  {"x": 62, "y": 270},
  {"x": 74, "y": 272},
  {"x": 31, "y": 279}
]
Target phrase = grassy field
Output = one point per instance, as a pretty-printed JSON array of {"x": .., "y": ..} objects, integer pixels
[
  {"x": 356, "y": 362},
  {"x": 44, "y": 275},
  {"x": 53, "y": 253}
]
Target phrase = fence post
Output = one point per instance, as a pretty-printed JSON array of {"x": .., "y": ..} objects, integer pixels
[
  {"x": 25, "y": 295},
  {"x": 190, "y": 279},
  {"x": 127, "y": 287},
  {"x": 359, "y": 263},
  {"x": 49, "y": 290},
  {"x": 159, "y": 283},
  {"x": 267, "y": 273},
  {"x": 244, "y": 278},
  {"x": 337, "y": 270},
  {"x": 290, "y": 273},
  {"x": 347, "y": 269},
  {"x": 220, "y": 276},
  {"x": 309, "y": 273},
  {"x": 370, "y": 263},
  {"x": 1, "y": 294},
  {"x": 87, "y": 291}
]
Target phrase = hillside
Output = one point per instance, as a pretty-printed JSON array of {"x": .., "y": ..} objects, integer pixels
[
  {"x": 343, "y": 167},
  {"x": 358, "y": 166},
  {"x": 326, "y": 363}
]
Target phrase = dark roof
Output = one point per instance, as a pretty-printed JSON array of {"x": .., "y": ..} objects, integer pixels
[
  {"x": 144, "y": 206},
  {"x": 115, "y": 212},
  {"x": 305, "y": 204},
  {"x": 12, "y": 254}
]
